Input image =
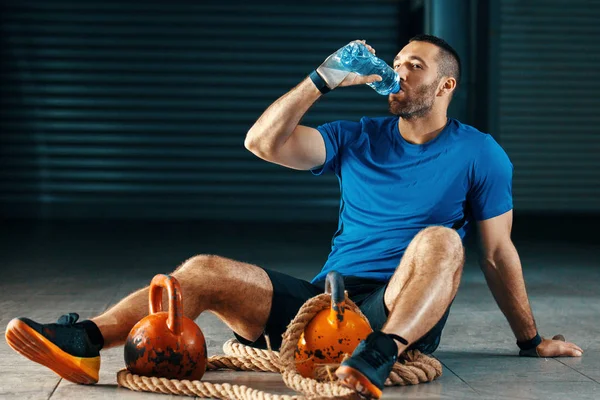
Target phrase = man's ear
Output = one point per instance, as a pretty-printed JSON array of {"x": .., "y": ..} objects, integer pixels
[{"x": 448, "y": 86}]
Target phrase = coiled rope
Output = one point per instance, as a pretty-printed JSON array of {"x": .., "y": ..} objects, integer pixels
[{"x": 412, "y": 368}]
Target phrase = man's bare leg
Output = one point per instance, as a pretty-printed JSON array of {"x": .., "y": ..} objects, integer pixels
[
  {"x": 417, "y": 297},
  {"x": 239, "y": 294},
  {"x": 424, "y": 283}
]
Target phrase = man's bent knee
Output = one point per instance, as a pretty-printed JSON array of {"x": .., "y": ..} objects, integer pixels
[
  {"x": 440, "y": 241},
  {"x": 435, "y": 251},
  {"x": 440, "y": 236},
  {"x": 197, "y": 262}
]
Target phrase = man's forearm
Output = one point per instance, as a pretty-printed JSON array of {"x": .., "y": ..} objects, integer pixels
[
  {"x": 504, "y": 276},
  {"x": 277, "y": 123}
]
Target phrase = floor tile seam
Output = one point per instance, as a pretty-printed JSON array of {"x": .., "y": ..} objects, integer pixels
[
  {"x": 578, "y": 371},
  {"x": 460, "y": 378},
  {"x": 55, "y": 387},
  {"x": 112, "y": 297},
  {"x": 514, "y": 381}
]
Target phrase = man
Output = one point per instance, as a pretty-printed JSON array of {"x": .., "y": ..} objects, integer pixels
[{"x": 411, "y": 184}]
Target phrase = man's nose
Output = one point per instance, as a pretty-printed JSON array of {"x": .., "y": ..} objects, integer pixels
[{"x": 402, "y": 72}]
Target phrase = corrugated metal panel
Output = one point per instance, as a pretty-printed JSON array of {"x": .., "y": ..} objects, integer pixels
[
  {"x": 124, "y": 109},
  {"x": 548, "y": 102}
]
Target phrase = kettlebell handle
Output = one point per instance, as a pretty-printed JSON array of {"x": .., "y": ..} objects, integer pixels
[
  {"x": 334, "y": 284},
  {"x": 175, "y": 319}
]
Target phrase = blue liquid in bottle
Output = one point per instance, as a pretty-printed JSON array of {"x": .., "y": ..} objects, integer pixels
[{"x": 357, "y": 58}]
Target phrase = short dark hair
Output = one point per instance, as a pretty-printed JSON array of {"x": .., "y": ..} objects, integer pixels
[{"x": 449, "y": 61}]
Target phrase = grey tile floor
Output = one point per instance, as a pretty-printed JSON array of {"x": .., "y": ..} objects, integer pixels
[{"x": 50, "y": 269}]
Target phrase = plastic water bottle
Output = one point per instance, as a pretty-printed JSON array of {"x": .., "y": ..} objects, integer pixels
[{"x": 355, "y": 57}]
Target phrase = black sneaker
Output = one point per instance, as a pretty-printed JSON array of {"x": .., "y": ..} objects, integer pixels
[
  {"x": 370, "y": 365},
  {"x": 64, "y": 347}
]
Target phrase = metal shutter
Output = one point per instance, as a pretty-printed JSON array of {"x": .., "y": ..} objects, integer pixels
[
  {"x": 546, "y": 71},
  {"x": 140, "y": 110}
]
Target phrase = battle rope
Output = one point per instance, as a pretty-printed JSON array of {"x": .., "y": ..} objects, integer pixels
[{"x": 412, "y": 368}]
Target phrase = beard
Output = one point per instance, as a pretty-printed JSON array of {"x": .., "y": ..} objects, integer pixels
[{"x": 417, "y": 105}]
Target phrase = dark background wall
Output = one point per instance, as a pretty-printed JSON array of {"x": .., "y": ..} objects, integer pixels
[
  {"x": 544, "y": 105},
  {"x": 118, "y": 109},
  {"x": 139, "y": 110}
]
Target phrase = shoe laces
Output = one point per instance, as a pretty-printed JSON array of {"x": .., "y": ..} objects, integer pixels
[{"x": 68, "y": 319}]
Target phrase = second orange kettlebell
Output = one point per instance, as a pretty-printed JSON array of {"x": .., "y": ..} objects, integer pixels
[
  {"x": 166, "y": 344},
  {"x": 331, "y": 333}
]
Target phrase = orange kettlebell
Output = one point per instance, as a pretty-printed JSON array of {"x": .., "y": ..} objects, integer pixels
[
  {"x": 331, "y": 333},
  {"x": 167, "y": 345}
]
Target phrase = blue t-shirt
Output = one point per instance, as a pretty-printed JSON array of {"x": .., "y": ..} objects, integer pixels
[{"x": 391, "y": 189}]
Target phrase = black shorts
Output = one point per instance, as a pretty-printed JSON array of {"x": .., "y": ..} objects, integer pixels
[{"x": 289, "y": 294}]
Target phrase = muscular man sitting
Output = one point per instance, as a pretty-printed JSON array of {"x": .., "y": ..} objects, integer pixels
[{"x": 412, "y": 185}]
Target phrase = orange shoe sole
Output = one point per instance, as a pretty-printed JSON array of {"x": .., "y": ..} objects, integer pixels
[
  {"x": 353, "y": 379},
  {"x": 26, "y": 341}
]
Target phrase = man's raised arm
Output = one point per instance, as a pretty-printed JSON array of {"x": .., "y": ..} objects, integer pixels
[{"x": 276, "y": 136}]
